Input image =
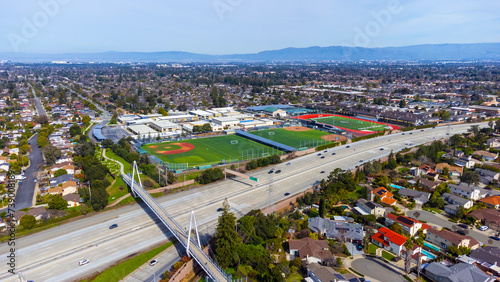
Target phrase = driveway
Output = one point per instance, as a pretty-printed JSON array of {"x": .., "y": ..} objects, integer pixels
[
  {"x": 376, "y": 269},
  {"x": 438, "y": 221}
]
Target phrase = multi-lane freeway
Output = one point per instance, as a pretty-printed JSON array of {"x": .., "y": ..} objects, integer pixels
[{"x": 54, "y": 254}]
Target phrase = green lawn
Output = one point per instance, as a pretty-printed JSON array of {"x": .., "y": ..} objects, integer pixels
[
  {"x": 110, "y": 154},
  {"x": 212, "y": 150},
  {"x": 118, "y": 272},
  {"x": 295, "y": 139},
  {"x": 388, "y": 256},
  {"x": 342, "y": 270},
  {"x": 355, "y": 194},
  {"x": 433, "y": 210},
  {"x": 114, "y": 190},
  {"x": 350, "y": 123},
  {"x": 372, "y": 249}
]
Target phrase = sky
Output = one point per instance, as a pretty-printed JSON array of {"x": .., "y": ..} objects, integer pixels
[{"x": 240, "y": 26}]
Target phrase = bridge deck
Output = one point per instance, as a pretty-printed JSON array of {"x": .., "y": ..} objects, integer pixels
[{"x": 196, "y": 252}]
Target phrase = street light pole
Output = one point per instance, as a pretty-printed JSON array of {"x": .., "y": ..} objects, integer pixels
[{"x": 154, "y": 274}]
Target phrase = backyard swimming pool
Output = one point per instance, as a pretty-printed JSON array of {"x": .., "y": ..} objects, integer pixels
[
  {"x": 396, "y": 186},
  {"x": 431, "y": 247},
  {"x": 429, "y": 255}
]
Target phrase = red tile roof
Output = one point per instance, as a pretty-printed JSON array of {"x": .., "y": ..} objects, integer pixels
[
  {"x": 491, "y": 200},
  {"x": 392, "y": 236}
]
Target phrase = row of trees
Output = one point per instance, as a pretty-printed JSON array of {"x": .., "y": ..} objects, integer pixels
[{"x": 263, "y": 162}]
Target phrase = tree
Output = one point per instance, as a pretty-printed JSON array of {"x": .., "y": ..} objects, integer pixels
[
  {"x": 99, "y": 198},
  {"x": 107, "y": 143},
  {"x": 402, "y": 103},
  {"x": 57, "y": 202},
  {"x": 27, "y": 221},
  {"x": 408, "y": 247},
  {"x": 470, "y": 177},
  {"x": 75, "y": 130},
  {"x": 322, "y": 208},
  {"x": 86, "y": 120},
  {"x": 60, "y": 172},
  {"x": 396, "y": 227},
  {"x": 227, "y": 240}
]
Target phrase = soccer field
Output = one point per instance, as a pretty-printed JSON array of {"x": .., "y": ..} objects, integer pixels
[
  {"x": 209, "y": 150},
  {"x": 295, "y": 139},
  {"x": 349, "y": 123}
]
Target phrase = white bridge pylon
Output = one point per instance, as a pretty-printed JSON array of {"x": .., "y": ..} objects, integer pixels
[{"x": 192, "y": 220}]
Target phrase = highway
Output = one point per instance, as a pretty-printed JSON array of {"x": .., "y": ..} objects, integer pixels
[{"x": 54, "y": 254}]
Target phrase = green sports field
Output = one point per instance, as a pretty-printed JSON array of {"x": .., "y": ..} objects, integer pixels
[
  {"x": 297, "y": 139},
  {"x": 350, "y": 123},
  {"x": 209, "y": 150}
]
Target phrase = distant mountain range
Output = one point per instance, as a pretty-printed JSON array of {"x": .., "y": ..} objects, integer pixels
[{"x": 428, "y": 52}]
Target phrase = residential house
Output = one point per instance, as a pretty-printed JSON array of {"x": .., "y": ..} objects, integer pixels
[
  {"x": 464, "y": 161},
  {"x": 419, "y": 196},
  {"x": 409, "y": 225},
  {"x": 466, "y": 191},
  {"x": 61, "y": 179},
  {"x": 69, "y": 167},
  {"x": 425, "y": 183},
  {"x": 320, "y": 273},
  {"x": 487, "y": 176},
  {"x": 488, "y": 217},
  {"x": 493, "y": 142},
  {"x": 365, "y": 207},
  {"x": 65, "y": 188},
  {"x": 459, "y": 272},
  {"x": 456, "y": 202},
  {"x": 445, "y": 238},
  {"x": 310, "y": 250},
  {"x": 492, "y": 202},
  {"x": 385, "y": 196},
  {"x": 5, "y": 166},
  {"x": 487, "y": 258},
  {"x": 16, "y": 216},
  {"x": 3, "y": 159},
  {"x": 40, "y": 213},
  {"x": 452, "y": 169},
  {"x": 337, "y": 229},
  {"x": 389, "y": 240},
  {"x": 3, "y": 177},
  {"x": 487, "y": 156},
  {"x": 72, "y": 199}
]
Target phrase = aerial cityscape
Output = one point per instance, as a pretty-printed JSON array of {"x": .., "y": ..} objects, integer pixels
[{"x": 250, "y": 141}]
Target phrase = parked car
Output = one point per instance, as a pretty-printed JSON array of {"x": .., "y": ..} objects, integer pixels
[
  {"x": 34, "y": 180},
  {"x": 83, "y": 262},
  {"x": 153, "y": 262},
  {"x": 495, "y": 238},
  {"x": 464, "y": 226},
  {"x": 483, "y": 228}
]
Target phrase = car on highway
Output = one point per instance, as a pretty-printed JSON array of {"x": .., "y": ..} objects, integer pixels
[
  {"x": 422, "y": 130},
  {"x": 83, "y": 262},
  {"x": 483, "y": 228},
  {"x": 278, "y": 171},
  {"x": 347, "y": 146},
  {"x": 326, "y": 151},
  {"x": 403, "y": 133},
  {"x": 360, "y": 161},
  {"x": 322, "y": 157},
  {"x": 447, "y": 134},
  {"x": 319, "y": 154},
  {"x": 287, "y": 194},
  {"x": 495, "y": 238},
  {"x": 271, "y": 171},
  {"x": 322, "y": 171},
  {"x": 220, "y": 209},
  {"x": 411, "y": 132},
  {"x": 381, "y": 149},
  {"x": 113, "y": 226},
  {"x": 464, "y": 226},
  {"x": 333, "y": 154},
  {"x": 288, "y": 163},
  {"x": 153, "y": 262}
]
